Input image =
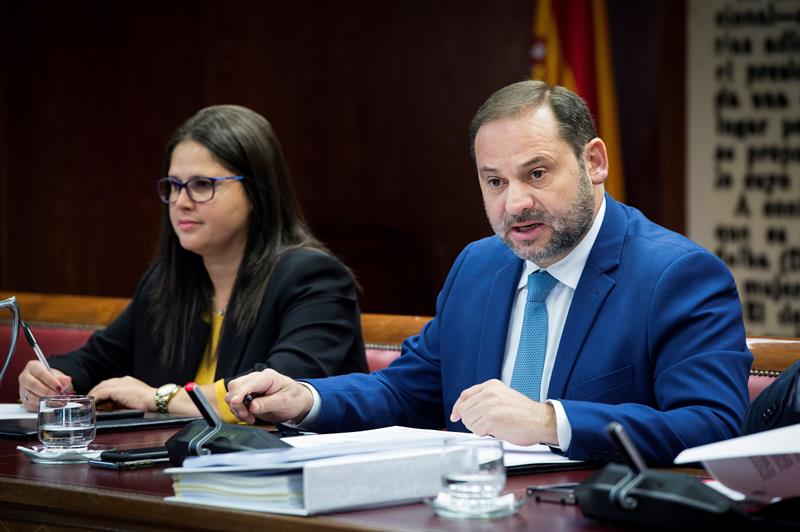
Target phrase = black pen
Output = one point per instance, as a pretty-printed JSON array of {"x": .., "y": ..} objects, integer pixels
[
  {"x": 248, "y": 399},
  {"x": 35, "y": 347},
  {"x": 284, "y": 430}
]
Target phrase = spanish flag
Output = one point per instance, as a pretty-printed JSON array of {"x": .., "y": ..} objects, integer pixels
[{"x": 572, "y": 47}]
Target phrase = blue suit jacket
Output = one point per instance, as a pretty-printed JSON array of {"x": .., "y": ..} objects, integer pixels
[{"x": 653, "y": 339}]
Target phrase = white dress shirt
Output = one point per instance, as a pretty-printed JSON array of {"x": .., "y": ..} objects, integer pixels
[{"x": 568, "y": 272}]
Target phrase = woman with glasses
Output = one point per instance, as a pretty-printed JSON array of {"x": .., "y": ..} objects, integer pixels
[{"x": 238, "y": 284}]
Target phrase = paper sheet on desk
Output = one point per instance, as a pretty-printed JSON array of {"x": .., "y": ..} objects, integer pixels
[
  {"x": 762, "y": 466},
  {"x": 376, "y": 436},
  {"x": 515, "y": 455},
  {"x": 15, "y": 411},
  {"x": 519, "y": 456}
]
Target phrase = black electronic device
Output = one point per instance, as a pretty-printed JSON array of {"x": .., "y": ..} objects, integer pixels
[
  {"x": 211, "y": 435},
  {"x": 132, "y": 455},
  {"x": 129, "y": 464},
  {"x": 657, "y": 499},
  {"x": 557, "y": 493},
  {"x": 131, "y": 458}
]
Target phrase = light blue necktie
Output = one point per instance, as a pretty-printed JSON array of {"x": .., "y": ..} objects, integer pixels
[{"x": 527, "y": 376}]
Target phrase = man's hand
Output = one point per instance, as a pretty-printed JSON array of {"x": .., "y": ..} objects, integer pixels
[
  {"x": 277, "y": 398},
  {"x": 495, "y": 409},
  {"x": 35, "y": 381},
  {"x": 126, "y": 391}
]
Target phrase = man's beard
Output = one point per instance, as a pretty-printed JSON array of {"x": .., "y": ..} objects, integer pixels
[{"x": 567, "y": 230}]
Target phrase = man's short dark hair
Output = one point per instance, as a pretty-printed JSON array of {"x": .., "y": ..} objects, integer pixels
[{"x": 575, "y": 122}]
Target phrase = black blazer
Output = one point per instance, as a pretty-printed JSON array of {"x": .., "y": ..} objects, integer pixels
[
  {"x": 308, "y": 326},
  {"x": 778, "y": 405}
]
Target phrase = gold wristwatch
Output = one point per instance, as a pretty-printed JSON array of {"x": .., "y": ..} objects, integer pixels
[{"x": 164, "y": 395}]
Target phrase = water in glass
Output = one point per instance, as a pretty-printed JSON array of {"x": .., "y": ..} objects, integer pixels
[
  {"x": 473, "y": 470},
  {"x": 66, "y": 421}
]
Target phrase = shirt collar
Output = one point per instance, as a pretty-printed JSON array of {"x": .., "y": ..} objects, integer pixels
[{"x": 569, "y": 269}]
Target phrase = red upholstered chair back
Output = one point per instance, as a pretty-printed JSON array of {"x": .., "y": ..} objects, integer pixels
[
  {"x": 383, "y": 334},
  {"x": 379, "y": 356},
  {"x": 771, "y": 355},
  {"x": 53, "y": 340},
  {"x": 60, "y": 323}
]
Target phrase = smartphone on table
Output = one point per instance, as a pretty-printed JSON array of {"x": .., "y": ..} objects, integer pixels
[
  {"x": 131, "y": 458},
  {"x": 558, "y": 493}
]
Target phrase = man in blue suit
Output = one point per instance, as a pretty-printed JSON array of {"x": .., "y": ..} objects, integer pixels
[{"x": 626, "y": 322}]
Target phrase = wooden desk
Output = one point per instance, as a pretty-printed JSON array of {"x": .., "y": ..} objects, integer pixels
[{"x": 79, "y": 497}]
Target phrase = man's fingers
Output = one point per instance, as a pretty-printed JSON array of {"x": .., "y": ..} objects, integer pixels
[
  {"x": 480, "y": 425},
  {"x": 241, "y": 412},
  {"x": 268, "y": 404},
  {"x": 458, "y": 407},
  {"x": 468, "y": 398},
  {"x": 275, "y": 397},
  {"x": 261, "y": 383},
  {"x": 455, "y": 415}
]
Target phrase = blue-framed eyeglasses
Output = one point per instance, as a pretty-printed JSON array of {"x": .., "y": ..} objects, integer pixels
[{"x": 200, "y": 189}]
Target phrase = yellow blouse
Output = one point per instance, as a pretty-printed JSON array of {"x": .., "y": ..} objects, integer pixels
[{"x": 208, "y": 366}]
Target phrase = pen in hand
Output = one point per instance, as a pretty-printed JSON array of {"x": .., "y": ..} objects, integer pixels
[
  {"x": 35, "y": 347},
  {"x": 282, "y": 429}
]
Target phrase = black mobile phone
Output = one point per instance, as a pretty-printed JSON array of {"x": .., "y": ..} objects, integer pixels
[
  {"x": 134, "y": 455},
  {"x": 558, "y": 493},
  {"x": 129, "y": 464}
]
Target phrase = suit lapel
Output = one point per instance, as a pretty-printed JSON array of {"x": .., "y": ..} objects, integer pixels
[
  {"x": 593, "y": 288},
  {"x": 495, "y": 320},
  {"x": 232, "y": 344}
]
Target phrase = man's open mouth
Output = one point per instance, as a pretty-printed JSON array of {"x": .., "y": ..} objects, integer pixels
[{"x": 526, "y": 228}]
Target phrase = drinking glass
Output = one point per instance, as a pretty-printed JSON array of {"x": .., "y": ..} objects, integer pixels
[
  {"x": 66, "y": 422},
  {"x": 473, "y": 473}
]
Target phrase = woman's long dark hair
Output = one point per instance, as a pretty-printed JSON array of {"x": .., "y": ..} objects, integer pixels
[{"x": 244, "y": 142}]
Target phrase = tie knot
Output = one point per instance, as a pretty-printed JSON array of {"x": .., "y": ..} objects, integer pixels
[{"x": 539, "y": 285}]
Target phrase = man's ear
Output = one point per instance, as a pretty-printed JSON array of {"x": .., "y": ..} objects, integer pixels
[{"x": 595, "y": 157}]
